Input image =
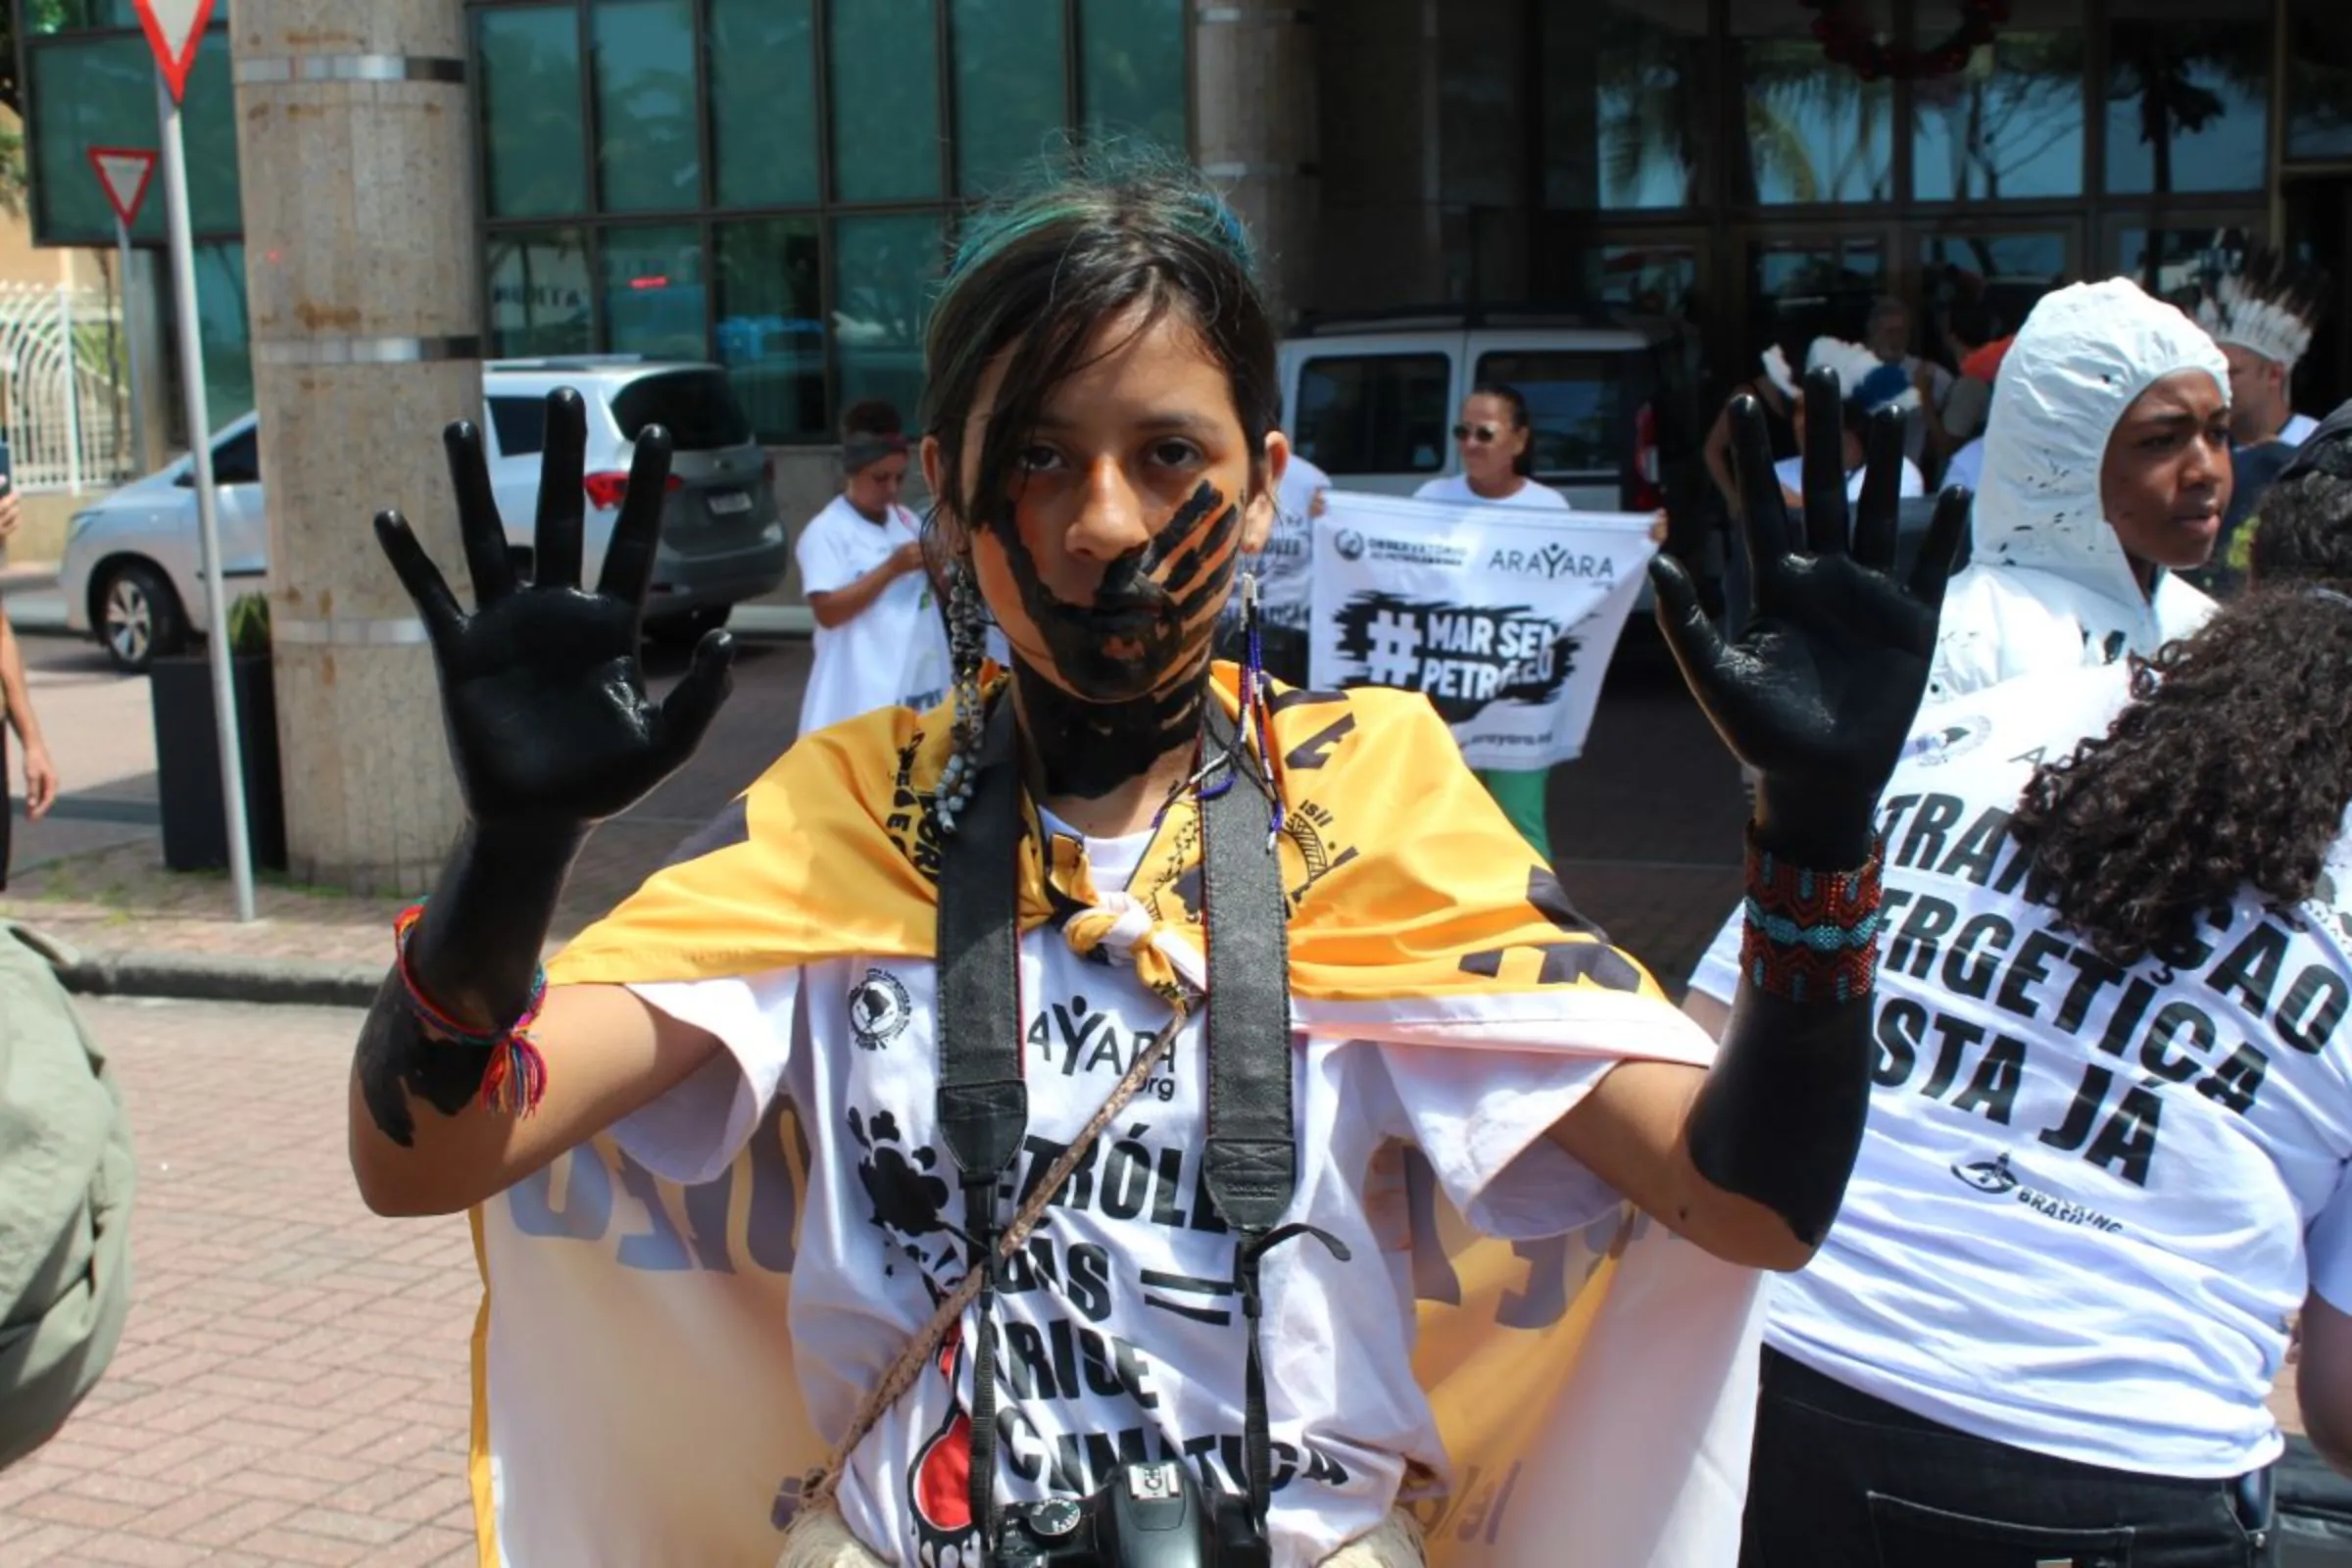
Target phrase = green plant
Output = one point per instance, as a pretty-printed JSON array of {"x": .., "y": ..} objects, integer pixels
[{"x": 249, "y": 624}]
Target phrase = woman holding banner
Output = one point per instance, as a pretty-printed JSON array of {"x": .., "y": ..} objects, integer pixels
[
  {"x": 1073, "y": 863},
  {"x": 1496, "y": 440},
  {"x": 2106, "y": 1156}
]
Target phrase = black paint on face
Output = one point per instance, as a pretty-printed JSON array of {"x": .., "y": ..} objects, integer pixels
[
  {"x": 1129, "y": 669},
  {"x": 1138, "y": 638},
  {"x": 1088, "y": 749}
]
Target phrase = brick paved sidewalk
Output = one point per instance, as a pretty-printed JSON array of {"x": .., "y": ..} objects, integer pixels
[{"x": 292, "y": 1386}]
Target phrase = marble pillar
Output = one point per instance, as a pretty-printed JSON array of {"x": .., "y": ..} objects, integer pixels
[
  {"x": 355, "y": 128},
  {"x": 1254, "y": 131}
]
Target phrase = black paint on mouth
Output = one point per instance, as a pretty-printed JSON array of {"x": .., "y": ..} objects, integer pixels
[{"x": 1128, "y": 677}]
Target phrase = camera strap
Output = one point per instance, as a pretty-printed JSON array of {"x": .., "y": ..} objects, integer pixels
[{"x": 1252, "y": 1157}]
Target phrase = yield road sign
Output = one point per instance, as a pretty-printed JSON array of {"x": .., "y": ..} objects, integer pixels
[
  {"x": 174, "y": 30},
  {"x": 124, "y": 172}
]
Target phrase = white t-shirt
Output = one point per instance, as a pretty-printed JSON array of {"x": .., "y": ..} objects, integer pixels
[
  {"x": 893, "y": 652},
  {"x": 1456, "y": 487},
  {"x": 1791, "y": 475},
  {"x": 1122, "y": 1337},
  {"x": 1286, "y": 574},
  {"x": 2078, "y": 1221},
  {"x": 1966, "y": 466}
]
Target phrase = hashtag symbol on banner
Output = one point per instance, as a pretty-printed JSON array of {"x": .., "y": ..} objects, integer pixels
[{"x": 1393, "y": 655}]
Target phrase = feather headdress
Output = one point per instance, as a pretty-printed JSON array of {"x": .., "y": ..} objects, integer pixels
[
  {"x": 2269, "y": 307},
  {"x": 1866, "y": 378}
]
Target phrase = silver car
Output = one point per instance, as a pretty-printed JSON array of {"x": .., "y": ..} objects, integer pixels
[{"x": 133, "y": 573}]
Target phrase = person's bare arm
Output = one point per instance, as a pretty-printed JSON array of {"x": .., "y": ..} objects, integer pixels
[
  {"x": 551, "y": 732},
  {"x": 16, "y": 702},
  {"x": 839, "y": 606},
  {"x": 2323, "y": 1381}
]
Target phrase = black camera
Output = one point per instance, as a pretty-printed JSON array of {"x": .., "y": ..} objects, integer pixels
[{"x": 1147, "y": 1516}]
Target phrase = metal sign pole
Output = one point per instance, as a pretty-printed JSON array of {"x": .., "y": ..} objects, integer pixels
[
  {"x": 141, "y": 463},
  {"x": 208, "y": 521}
]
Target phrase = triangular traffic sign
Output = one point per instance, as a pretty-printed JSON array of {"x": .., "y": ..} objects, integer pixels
[
  {"x": 174, "y": 30},
  {"x": 123, "y": 171}
]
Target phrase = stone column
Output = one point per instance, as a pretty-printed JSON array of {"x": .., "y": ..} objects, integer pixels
[
  {"x": 1256, "y": 129},
  {"x": 355, "y": 128}
]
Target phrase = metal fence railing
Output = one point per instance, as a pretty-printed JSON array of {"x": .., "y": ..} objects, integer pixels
[{"x": 64, "y": 404}]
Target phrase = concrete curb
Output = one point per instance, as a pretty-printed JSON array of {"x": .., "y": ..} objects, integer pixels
[{"x": 210, "y": 977}]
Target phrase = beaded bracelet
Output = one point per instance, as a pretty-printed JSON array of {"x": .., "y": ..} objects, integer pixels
[
  {"x": 516, "y": 1080},
  {"x": 1812, "y": 935}
]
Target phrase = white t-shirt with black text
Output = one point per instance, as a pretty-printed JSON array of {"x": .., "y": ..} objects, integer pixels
[
  {"x": 894, "y": 650},
  {"x": 1456, "y": 487},
  {"x": 2078, "y": 1221},
  {"x": 1120, "y": 1338}
]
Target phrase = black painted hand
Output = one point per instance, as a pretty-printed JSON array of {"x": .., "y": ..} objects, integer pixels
[
  {"x": 545, "y": 701},
  {"x": 1819, "y": 692}
]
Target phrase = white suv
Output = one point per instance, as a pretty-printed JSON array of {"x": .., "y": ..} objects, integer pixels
[{"x": 132, "y": 567}]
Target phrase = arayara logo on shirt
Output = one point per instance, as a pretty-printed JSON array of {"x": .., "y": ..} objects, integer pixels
[
  {"x": 1995, "y": 1178},
  {"x": 879, "y": 1009}
]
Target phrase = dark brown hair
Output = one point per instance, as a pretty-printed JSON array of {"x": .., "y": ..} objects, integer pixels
[
  {"x": 1039, "y": 273},
  {"x": 2232, "y": 765}
]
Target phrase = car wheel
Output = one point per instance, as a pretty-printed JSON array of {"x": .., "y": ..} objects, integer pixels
[
  {"x": 138, "y": 617},
  {"x": 684, "y": 631}
]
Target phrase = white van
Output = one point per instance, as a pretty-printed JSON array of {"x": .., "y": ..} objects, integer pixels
[{"x": 1371, "y": 400}]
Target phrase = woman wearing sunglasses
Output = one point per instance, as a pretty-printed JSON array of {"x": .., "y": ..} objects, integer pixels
[{"x": 1497, "y": 444}]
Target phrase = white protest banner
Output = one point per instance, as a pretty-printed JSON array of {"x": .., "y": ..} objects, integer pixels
[{"x": 1505, "y": 616}]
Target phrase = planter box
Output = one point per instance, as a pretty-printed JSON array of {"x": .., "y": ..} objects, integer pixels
[{"x": 187, "y": 761}]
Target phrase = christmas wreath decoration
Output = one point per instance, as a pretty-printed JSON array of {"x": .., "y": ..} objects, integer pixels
[{"x": 1848, "y": 41}]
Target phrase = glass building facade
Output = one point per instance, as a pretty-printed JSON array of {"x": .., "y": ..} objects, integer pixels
[{"x": 772, "y": 183}]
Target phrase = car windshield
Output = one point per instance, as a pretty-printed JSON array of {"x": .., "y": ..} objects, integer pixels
[
  {"x": 1575, "y": 402},
  {"x": 697, "y": 407}
]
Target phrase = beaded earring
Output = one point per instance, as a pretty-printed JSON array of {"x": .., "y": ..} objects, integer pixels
[{"x": 968, "y": 647}]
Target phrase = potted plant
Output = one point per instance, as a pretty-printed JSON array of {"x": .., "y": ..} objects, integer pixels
[{"x": 187, "y": 747}]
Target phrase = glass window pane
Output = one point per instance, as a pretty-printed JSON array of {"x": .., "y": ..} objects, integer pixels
[
  {"x": 2319, "y": 98},
  {"x": 2006, "y": 275},
  {"x": 2188, "y": 95},
  {"x": 539, "y": 293},
  {"x": 1132, "y": 71},
  {"x": 2009, "y": 122},
  {"x": 885, "y": 99},
  {"x": 70, "y": 16},
  {"x": 1482, "y": 136},
  {"x": 771, "y": 330},
  {"x": 1011, "y": 95},
  {"x": 1816, "y": 132},
  {"x": 529, "y": 61},
  {"x": 2175, "y": 262},
  {"x": 1374, "y": 413},
  {"x": 224, "y": 336},
  {"x": 520, "y": 425},
  {"x": 653, "y": 281},
  {"x": 884, "y": 269},
  {"x": 646, "y": 156},
  {"x": 100, "y": 92},
  {"x": 1622, "y": 105},
  {"x": 1802, "y": 289},
  {"x": 1576, "y": 408},
  {"x": 762, "y": 61}
]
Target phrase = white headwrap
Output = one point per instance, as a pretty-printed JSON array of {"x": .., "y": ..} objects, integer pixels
[{"x": 2085, "y": 356}]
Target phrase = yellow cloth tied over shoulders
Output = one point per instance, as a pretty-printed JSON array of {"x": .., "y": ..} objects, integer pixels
[{"x": 1404, "y": 878}]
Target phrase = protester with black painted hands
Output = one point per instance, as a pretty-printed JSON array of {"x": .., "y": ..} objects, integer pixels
[
  {"x": 1071, "y": 864},
  {"x": 2107, "y": 1147}
]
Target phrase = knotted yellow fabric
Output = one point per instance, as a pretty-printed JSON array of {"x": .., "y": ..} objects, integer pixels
[{"x": 1404, "y": 880}]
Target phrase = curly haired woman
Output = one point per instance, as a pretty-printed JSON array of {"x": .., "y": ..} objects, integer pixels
[{"x": 2106, "y": 1156}]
